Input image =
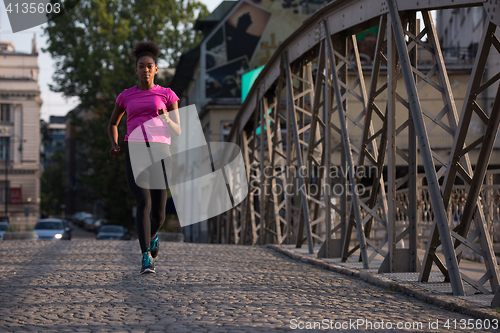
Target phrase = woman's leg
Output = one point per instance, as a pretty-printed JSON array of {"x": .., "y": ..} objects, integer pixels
[
  {"x": 159, "y": 197},
  {"x": 143, "y": 199},
  {"x": 159, "y": 205}
]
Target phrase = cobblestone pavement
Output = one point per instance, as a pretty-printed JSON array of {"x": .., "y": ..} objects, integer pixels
[{"x": 95, "y": 286}]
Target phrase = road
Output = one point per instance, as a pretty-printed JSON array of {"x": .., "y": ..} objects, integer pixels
[
  {"x": 78, "y": 233},
  {"x": 91, "y": 286}
]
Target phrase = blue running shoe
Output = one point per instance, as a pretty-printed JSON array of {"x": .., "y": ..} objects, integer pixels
[
  {"x": 155, "y": 246},
  {"x": 147, "y": 263}
]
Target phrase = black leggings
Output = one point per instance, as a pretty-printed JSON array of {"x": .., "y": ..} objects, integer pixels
[{"x": 148, "y": 202}]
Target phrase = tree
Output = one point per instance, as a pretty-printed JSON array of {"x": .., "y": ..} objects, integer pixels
[
  {"x": 92, "y": 47},
  {"x": 52, "y": 184},
  {"x": 46, "y": 138},
  {"x": 92, "y": 43}
]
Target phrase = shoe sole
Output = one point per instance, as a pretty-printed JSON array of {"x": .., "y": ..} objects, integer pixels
[{"x": 148, "y": 271}]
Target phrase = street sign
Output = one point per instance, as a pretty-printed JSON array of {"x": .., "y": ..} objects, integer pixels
[{"x": 16, "y": 196}]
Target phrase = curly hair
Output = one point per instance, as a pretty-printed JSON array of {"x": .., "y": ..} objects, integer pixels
[{"x": 149, "y": 49}]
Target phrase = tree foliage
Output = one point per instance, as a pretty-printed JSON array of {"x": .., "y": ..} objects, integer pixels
[
  {"x": 92, "y": 43},
  {"x": 103, "y": 175},
  {"x": 46, "y": 138},
  {"x": 92, "y": 46},
  {"x": 52, "y": 184}
]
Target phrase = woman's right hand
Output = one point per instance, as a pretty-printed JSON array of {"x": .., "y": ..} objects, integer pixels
[
  {"x": 113, "y": 129},
  {"x": 115, "y": 149}
]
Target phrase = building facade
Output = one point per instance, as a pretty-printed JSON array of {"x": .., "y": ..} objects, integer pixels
[
  {"x": 460, "y": 31},
  {"x": 20, "y": 105},
  {"x": 56, "y": 130},
  {"x": 239, "y": 36}
]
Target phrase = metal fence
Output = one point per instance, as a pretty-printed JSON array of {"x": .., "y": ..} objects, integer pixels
[{"x": 490, "y": 205}]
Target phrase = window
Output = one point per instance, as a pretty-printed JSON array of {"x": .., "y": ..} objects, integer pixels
[
  {"x": 4, "y": 148},
  {"x": 5, "y": 112},
  {"x": 452, "y": 29},
  {"x": 2, "y": 191},
  {"x": 477, "y": 17}
]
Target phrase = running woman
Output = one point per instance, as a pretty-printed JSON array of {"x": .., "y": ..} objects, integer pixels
[{"x": 143, "y": 103}]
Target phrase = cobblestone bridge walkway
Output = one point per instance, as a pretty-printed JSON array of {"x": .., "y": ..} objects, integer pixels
[{"x": 95, "y": 286}]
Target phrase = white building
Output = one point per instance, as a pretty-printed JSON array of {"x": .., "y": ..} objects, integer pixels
[
  {"x": 20, "y": 104},
  {"x": 460, "y": 31}
]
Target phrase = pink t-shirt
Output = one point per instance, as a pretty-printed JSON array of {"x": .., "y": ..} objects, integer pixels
[{"x": 142, "y": 109}]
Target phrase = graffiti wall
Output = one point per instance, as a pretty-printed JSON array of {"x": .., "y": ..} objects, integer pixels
[{"x": 247, "y": 39}]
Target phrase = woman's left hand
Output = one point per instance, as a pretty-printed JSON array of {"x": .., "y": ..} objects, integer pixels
[{"x": 164, "y": 115}]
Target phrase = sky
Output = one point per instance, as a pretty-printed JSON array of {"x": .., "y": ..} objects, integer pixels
[{"x": 53, "y": 103}]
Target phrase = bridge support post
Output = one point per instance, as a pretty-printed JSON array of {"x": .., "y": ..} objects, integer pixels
[{"x": 427, "y": 161}]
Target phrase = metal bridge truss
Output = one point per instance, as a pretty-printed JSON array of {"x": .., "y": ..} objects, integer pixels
[{"x": 296, "y": 118}]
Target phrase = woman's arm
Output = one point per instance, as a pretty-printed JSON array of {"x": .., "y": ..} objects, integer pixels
[
  {"x": 113, "y": 129},
  {"x": 172, "y": 118}
]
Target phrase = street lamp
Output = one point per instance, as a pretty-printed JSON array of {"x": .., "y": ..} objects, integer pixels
[{"x": 6, "y": 152}]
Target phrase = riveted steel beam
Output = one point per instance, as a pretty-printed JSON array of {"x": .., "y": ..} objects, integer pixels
[
  {"x": 292, "y": 122},
  {"x": 347, "y": 148},
  {"x": 459, "y": 162},
  {"x": 424, "y": 146}
]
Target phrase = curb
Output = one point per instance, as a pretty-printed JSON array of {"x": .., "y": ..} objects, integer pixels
[{"x": 447, "y": 302}]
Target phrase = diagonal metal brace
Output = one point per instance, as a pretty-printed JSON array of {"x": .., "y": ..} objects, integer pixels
[
  {"x": 291, "y": 111},
  {"x": 423, "y": 141},
  {"x": 347, "y": 150}
]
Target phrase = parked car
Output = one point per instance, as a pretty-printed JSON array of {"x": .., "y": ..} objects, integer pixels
[
  {"x": 79, "y": 217},
  {"x": 98, "y": 224},
  {"x": 88, "y": 223},
  {"x": 113, "y": 232},
  {"x": 52, "y": 229},
  {"x": 3, "y": 228},
  {"x": 67, "y": 225}
]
